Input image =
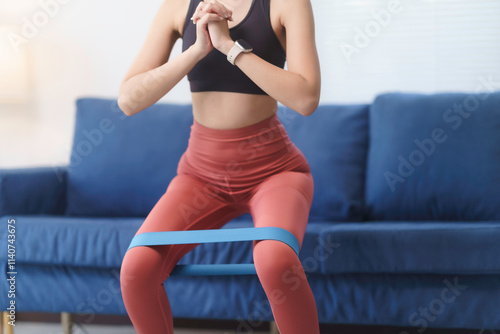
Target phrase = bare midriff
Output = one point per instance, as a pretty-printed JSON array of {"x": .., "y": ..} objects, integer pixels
[{"x": 227, "y": 110}]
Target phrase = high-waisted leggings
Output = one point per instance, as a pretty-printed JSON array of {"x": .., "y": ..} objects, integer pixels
[{"x": 223, "y": 174}]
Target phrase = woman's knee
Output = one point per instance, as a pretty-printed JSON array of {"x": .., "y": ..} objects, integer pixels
[
  {"x": 141, "y": 266},
  {"x": 276, "y": 261}
]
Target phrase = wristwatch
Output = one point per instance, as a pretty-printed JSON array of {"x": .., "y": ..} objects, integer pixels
[{"x": 239, "y": 47}]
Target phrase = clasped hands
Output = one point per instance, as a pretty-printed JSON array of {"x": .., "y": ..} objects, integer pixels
[{"x": 212, "y": 31}]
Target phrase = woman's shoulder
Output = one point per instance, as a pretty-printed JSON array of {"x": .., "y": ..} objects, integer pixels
[
  {"x": 284, "y": 9},
  {"x": 176, "y": 11}
]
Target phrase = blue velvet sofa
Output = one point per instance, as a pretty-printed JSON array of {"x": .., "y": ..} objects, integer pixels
[{"x": 404, "y": 228}]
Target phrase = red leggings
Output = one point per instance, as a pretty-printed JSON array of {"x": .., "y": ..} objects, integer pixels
[{"x": 223, "y": 174}]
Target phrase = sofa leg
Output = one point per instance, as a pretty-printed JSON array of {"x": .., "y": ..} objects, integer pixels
[
  {"x": 5, "y": 323},
  {"x": 66, "y": 322},
  {"x": 273, "y": 329}
]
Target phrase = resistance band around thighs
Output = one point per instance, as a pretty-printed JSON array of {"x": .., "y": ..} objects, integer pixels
[{"x": 218, "y": 235}]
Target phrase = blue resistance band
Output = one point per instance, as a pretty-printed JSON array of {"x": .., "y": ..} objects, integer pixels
[{"x": 218, "y": 235}]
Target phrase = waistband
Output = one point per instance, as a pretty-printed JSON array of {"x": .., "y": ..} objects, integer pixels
[
  {"x": 251, "y": 146},
  {"x": 240, "y": 157}
]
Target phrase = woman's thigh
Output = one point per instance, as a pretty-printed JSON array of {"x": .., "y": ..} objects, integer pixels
[
  {"x": 187, "y": 204},
  {"x": 284, "y": 200}
]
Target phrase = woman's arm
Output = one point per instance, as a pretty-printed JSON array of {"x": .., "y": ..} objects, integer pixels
[
  {"x": 152, "y": 74},
  {"x": 299, "y": 87}
]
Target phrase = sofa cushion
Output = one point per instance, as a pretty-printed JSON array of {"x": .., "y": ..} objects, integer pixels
[
  {"x": 327, "y": 248},
  {"x": 411, "y": 247},
  {"x": 33, "y": 190},
  {"x": 334, "y": 140},
  {"x": 120, "y": 165},
  {"x": 376, "y": 299},
  {"x": 434, "y": 157},
  {"x": 102, "y": 242}
]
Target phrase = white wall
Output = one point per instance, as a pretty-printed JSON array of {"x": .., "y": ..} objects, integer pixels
[
  {"x": 84, "y": 49},
  {"x": 87, "y": 46}
]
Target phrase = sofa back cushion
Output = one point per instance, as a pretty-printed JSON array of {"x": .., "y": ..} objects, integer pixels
[
  {"x": 120, "y": 166},
  {"x": 334, "y": 140},
  {"x": 434, "y": 157}
]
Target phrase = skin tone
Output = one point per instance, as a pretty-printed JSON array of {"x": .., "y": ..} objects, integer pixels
[{"x": 298, "y": 87}]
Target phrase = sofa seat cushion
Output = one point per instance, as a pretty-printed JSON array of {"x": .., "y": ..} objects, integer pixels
[
  {"x": 328, "y": 248},
  {"x": 73, "y": 241},
  {"x": 411, "y": 247},
  {"x": 434, "y": 157},
  {"x": 102, "y": 242}
]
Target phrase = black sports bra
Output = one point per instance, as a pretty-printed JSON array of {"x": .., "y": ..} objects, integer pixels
[{"x": 214, "y": 72}]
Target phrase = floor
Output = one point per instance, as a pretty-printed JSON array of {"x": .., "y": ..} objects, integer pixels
[
  {"x": 34, "y": 327},
  {"x": 54, "y": 328}
]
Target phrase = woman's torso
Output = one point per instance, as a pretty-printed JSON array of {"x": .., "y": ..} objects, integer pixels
[{"x": 227, "y": 110}]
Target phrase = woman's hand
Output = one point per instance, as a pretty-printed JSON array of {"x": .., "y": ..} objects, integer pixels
[
  {"x": 219, "y": 35},
  {"x": 216, "y": 30},
  {"x": 203, "y": 42},
  {"x": 213, "y": 7}
]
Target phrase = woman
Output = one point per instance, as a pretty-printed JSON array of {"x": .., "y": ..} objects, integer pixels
[{"x": 239, "y": 157}]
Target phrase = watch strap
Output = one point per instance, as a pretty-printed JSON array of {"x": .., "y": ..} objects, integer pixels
[{"x": 235, "y": 51}]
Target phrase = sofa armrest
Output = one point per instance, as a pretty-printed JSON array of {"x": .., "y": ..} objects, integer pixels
[{"x": 35, "y": 190}]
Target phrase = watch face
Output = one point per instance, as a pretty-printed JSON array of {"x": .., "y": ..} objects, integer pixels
[{"x": 244, "y": 44}]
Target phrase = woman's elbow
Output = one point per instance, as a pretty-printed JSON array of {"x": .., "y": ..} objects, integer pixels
[
  {"x": 308, "y": 104},
  {"x": 129, "y": 106},
  {"x": 309, "y": 99},
  {"x": 127, "y": 102}
]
